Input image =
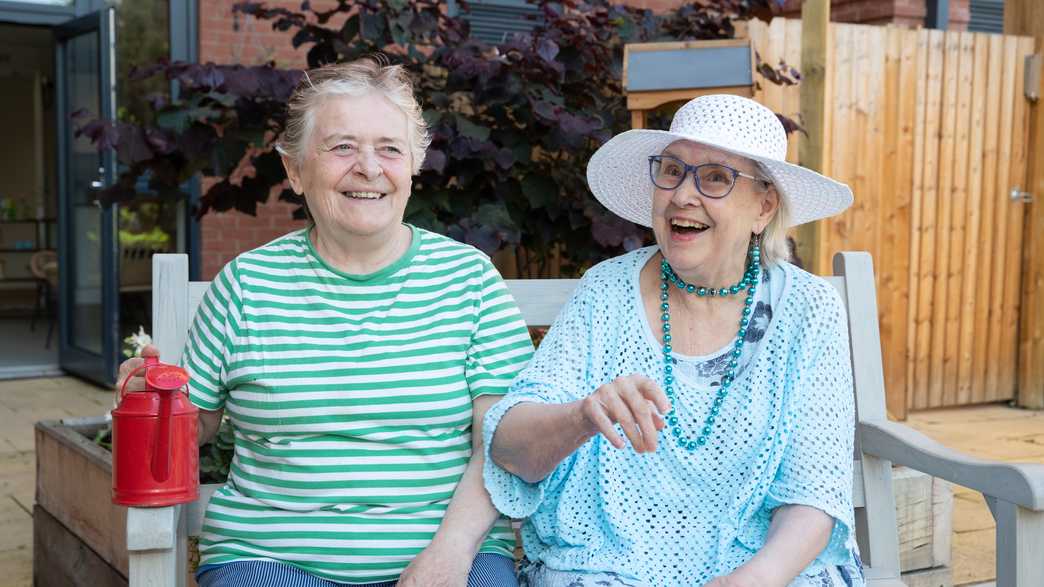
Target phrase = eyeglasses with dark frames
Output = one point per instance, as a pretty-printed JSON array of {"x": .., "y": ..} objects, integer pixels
[{"x": 713, "y": 180}]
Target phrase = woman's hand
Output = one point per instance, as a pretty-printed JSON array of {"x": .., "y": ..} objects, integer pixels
[
  {"x": 209, "y": 421},
  {"x": 136, "y": 383},
  {"x": 635, "y": 403},
  {"x": 437, "y": 566}
]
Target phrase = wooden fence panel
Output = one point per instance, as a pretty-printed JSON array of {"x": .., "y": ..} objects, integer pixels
[{"x": 930, "y": 129}]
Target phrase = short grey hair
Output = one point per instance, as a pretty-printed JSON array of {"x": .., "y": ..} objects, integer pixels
[{"x": 353, "y": 78}]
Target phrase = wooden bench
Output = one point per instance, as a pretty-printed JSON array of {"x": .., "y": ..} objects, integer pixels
[{"x": 156, "y": 538}]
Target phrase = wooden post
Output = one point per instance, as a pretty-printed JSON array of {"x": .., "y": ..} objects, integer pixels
[
  {"x": 1026, "y": 17},
  {"x": 815, "y": 44}
]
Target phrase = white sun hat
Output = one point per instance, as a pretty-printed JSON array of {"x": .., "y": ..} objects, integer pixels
[{"x": 618, "y": 173}]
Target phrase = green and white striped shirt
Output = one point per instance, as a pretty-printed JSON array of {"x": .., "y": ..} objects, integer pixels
[{"x": 351, "y": 398}]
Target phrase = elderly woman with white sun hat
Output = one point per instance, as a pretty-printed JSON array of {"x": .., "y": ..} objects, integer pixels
[{"x": 724, "y": 367}]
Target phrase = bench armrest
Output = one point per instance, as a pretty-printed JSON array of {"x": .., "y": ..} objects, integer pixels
[{"x": 1017, "y": 483}]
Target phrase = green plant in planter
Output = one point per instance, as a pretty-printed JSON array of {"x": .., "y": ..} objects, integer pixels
[{"x": 215, "y": 457}]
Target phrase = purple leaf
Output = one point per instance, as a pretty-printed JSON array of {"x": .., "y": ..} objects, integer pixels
[
  {"x": 242, "y": 82},
  {"x": 608, "y": 229},
  {"x": 505, "y": 158},
  {"x": 157, "y": 100},
  {"x": 547, "y": 111},
  {"x": 435, "y": 160},
  {"x": 159, "y": 141},
  {"x": 101, "y": 132},
  {"x": 547, "y": 50},
  {"x": 132, "y": 147}
]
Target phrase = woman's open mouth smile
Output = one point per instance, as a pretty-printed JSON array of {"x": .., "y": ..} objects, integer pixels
[{"x": 684, "y": 229}]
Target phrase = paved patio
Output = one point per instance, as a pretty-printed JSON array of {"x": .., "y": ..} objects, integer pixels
[
  {"x": 22, "y": 403},
  {"x": 985, "y": 431}
]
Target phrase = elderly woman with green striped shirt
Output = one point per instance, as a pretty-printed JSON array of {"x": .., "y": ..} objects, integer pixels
[{"x": 355, "y": 359}]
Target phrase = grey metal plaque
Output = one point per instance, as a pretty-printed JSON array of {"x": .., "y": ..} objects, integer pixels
[{"x": 676, "y": 69}]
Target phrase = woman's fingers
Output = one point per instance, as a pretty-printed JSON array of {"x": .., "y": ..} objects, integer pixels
[
  {"x": 598, "y": 413},
  {"x": 137, "y": 383},
  {"x": 641, "y": 412},
  {"x": 653, "y": 393},
  {"x": 636, "y": 404},
  {"x": 620, "y": 412}
]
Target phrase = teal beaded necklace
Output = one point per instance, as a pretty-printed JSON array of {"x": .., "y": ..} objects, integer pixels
[{"x": 749, "y": 283}]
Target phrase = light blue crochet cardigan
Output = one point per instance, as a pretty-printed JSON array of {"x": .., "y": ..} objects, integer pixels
[{"x": 784, "y": 436}]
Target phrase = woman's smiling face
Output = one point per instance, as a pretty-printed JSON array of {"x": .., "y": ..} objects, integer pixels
[
  {"x": 356, "y": 171},
  {"x": 709, "y": 236}
]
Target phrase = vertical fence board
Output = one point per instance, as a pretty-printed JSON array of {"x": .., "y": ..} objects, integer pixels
[
  {"x": 958, "y": 216},
  {"x": 927, "y": 221},
  {"x": 921, "y": 39},
  {"x": 759, "y": 38},
  {"x": 907, "y": 105},
  {"x": 994, "y": 367},
  {"x": 858, "y": 222},
  {"x": 925, "y": 294},
  {"x": 895, "y": 205},
  {"x": 775, "y": 47},
  {"x": 939, "y": 353},
  {"x": 791, "y": 106},
  {"x": 991, "y": 138},
  {"x": 833, "y": 231},
  {"x": 1015, "y": 215},
  {"x": 970, "y": 287}
]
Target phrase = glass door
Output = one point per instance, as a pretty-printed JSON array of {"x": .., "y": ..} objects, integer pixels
[{"x": 87, "y": 247}]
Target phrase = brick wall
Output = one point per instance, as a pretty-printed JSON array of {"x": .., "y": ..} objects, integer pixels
[
  {"x": 910, "y": 13},
  {"x": 228, "y": 38}
]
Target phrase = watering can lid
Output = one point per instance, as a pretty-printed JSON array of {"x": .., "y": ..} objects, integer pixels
[{"x": 165, "y": 377}]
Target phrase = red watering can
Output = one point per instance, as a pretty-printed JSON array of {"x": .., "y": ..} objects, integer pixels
[{"x": 155, "y": 457}]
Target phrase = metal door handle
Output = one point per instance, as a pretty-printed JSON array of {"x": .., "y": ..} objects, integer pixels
[{"x": 1017, "y": 195}]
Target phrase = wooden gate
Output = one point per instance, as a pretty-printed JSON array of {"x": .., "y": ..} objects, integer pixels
[{"x": 930, "y": 128}]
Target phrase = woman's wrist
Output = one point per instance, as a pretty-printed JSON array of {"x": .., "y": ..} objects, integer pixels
[
  {"x": 457, "y": 544},
  {"x": 581, "y": 424},
  {"x": 756, "y": 573}
]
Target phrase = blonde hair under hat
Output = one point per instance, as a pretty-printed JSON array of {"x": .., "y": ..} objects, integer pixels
[{"x": 618, "y": 173}]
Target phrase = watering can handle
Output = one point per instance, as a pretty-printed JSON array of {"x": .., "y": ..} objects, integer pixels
[
  {"x": 149, "y": 362},
  {"x": 123, "y": 388}
]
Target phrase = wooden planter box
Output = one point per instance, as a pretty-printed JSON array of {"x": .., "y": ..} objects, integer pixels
[
  {"x": 924, "y": 513},
  {"x": 79, "y": 535}
]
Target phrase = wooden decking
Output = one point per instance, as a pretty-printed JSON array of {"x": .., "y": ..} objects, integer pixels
[{"x": 994, "y": 432}]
